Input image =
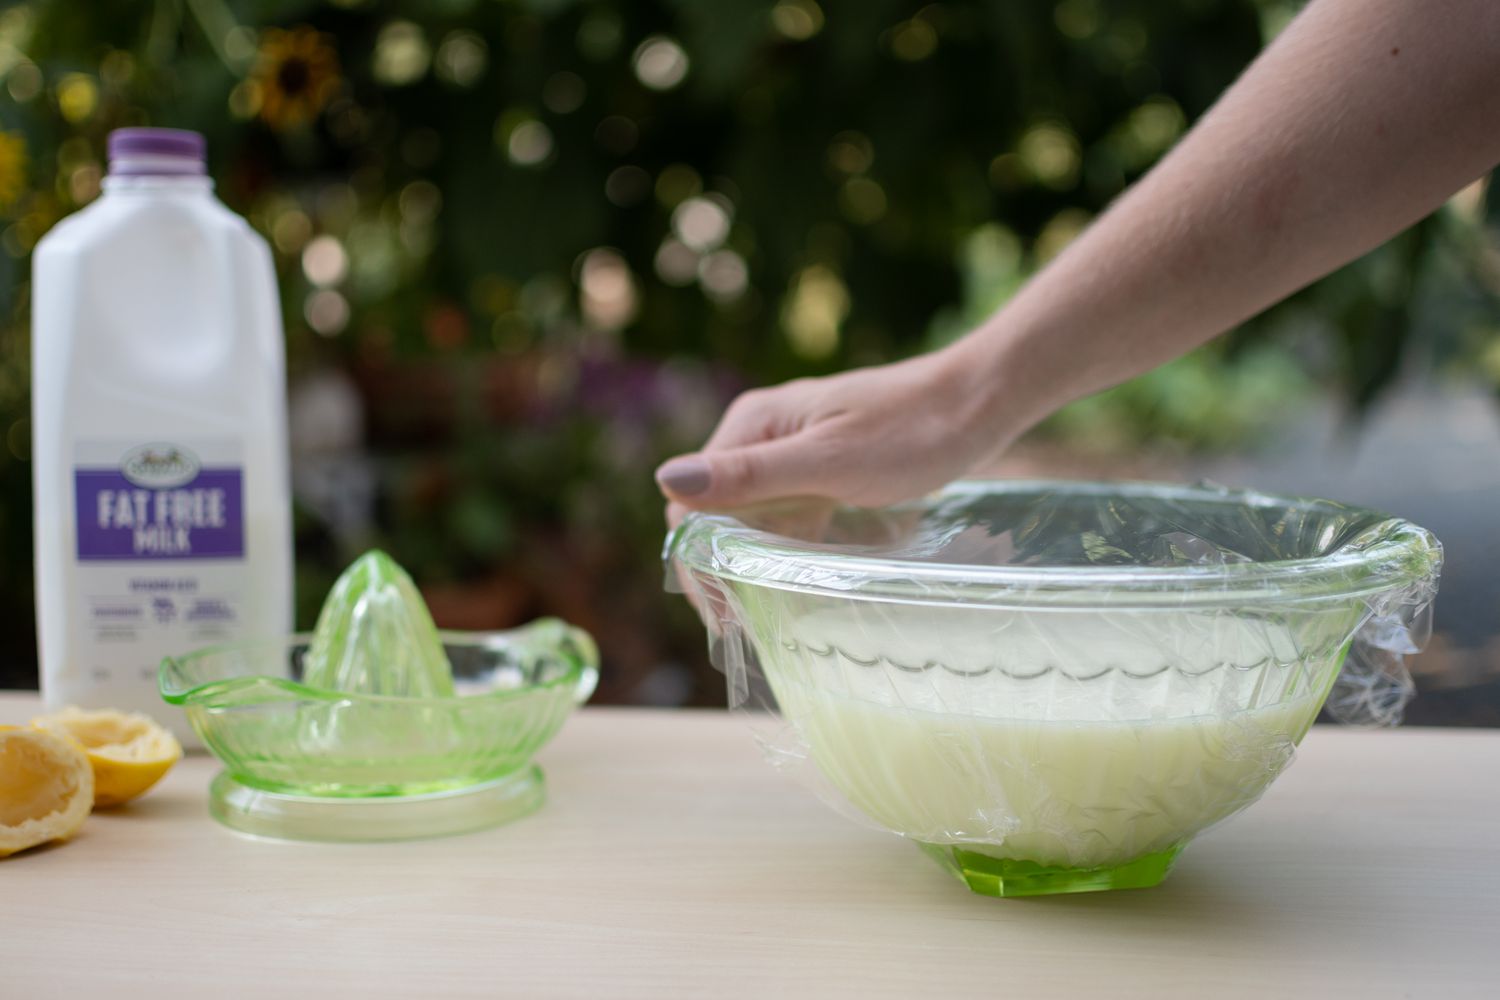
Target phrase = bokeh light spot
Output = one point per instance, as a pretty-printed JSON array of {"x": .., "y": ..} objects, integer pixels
[
  {"x": 291, "y": 231},
  {"x": 913, "y": 41},
  {"x": 607, "y": 295},
  {"x": 327, "y": 312},
  {"x": 724, "y": 276},
  {"x": 1078, "y": 19},
  {"x": 677, "y": 183},
  {"x": 462, "y": 58},
  {"x": 660, "y": 63},
  {"x": 626, "y": 186},
  {"x": 600, "y": 34},
  {"x": 117, "y": 68},
  {"x": 324, "y": 261},
  {"x": 401, "y": 54},
  {"x": 1050, "y": 153},
  {"x": 240, "y": 45},
  {"x": 851, "y": 152},
  {"x": 24, "y": 82},
  {"x": 77, "y": 97},
  {"x": 14, "y": 163},
  {"x": 701, "y": 223},
  {"x": 245, "y": 99},
  {"x": 530, "y": 144},
  {"x": 1156, "y": 124},
  {"x": 798, "y": 20},
  {"x": 676, "y": 263},
  {"x": 420, "y": 202},
  {"x": 814, "y": 311},
  {"x": 83, "y": 183},
  {"x": 375, "y": 263}
]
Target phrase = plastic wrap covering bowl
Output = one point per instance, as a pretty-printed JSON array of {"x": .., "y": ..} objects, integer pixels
[
  {"x": 1052, "y": 687},
  {"x": 316, "y": 763}
]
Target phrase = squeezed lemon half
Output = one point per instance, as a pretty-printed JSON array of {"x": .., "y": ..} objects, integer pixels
[
  {"x": 128, "y": 752},
  {"x": 46, "y": 788}
]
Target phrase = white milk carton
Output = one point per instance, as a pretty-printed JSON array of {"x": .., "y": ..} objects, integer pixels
[{"x": 163, "y": 520}]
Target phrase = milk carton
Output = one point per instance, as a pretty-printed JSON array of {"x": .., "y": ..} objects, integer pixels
[{"x": 159, "y": 419}]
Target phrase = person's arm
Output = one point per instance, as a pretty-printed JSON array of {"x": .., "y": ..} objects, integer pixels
[{"x": 1362, "y": 117}]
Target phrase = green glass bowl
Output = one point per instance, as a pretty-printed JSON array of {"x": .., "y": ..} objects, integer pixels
[
  {"x": 1052, "y": 687},
  {"x": 278, "y": 737}
]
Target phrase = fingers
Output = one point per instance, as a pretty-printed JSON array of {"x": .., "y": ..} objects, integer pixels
[
  {"x": 799, "y": 465},
  {"x": 749, "y": 419}
]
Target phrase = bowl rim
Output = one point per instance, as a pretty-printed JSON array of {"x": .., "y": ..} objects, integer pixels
[
  {"x": 1390, "y": 553},
  {"x": 581, "y": 675}
]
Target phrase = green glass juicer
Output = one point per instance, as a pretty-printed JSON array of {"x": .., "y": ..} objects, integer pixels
[{"x": 377, "y": 726}]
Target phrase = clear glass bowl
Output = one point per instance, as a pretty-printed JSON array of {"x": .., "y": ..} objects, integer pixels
[
  {"x": 293, "y": 754},
  {"x": 1052, "y": 687}
]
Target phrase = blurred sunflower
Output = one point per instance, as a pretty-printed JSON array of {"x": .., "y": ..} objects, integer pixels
[
  {"x": 12, "y": 168},
  {"x": 295, "y": 76}
]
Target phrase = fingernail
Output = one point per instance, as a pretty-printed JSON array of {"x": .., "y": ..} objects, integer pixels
[{"x": 684, "y": 476}]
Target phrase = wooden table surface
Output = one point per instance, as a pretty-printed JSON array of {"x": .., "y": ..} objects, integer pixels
[{"x": 671, "y": 861}]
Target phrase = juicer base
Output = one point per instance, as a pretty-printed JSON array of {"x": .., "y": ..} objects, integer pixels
[
  {"x": 395, "y": 817},
  {"x": 1008, "y": 877}
]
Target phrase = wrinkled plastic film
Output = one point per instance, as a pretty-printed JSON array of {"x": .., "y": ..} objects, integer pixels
[{"x": 1061, "y": 673}]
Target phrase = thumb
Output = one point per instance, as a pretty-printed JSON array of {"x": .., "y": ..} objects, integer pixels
[{"x": 792, "y": 466}]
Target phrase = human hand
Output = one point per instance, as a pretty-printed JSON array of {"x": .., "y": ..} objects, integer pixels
[{"x": 870, "y": 437}]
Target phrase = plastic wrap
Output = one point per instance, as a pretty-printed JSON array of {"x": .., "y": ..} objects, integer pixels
[{"x": 1061, "y": 676}]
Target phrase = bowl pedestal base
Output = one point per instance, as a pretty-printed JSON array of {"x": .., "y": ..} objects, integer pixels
[
  {"x": 284, "y": 816},
  {"x": 1008, "y": 877}
]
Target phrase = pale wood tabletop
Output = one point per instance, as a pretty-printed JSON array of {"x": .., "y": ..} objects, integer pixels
[{"x": 672, "y": 861}]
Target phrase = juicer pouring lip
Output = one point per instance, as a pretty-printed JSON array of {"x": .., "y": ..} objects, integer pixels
[{"x": 171, "y": 680}]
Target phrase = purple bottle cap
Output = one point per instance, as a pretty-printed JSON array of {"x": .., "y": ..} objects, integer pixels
[{"x": 156, "y": 151}]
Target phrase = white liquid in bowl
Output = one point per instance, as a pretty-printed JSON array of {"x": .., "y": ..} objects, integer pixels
[{"x": 1125, "y": 747}]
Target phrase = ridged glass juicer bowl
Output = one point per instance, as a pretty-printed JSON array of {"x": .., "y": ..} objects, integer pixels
[
  {"x": 310, "y": 763},
  {"x": 1050, "y": 687}
]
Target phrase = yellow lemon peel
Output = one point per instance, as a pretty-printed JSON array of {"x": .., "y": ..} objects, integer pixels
[
  {"x": 128, "y": 752},
  {"x": 46, "y": 788}
]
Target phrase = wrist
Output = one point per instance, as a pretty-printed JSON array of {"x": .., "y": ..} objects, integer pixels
[{"x": 999, "y": 383}]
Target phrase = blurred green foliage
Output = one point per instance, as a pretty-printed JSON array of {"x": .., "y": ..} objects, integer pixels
[{"x": 549, "y": 239}]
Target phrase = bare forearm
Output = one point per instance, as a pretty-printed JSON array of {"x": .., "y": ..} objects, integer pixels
[{"x": 1361, "y": 118}]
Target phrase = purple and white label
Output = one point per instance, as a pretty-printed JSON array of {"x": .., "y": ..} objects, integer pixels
[{"x": 159, "y": 503}]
